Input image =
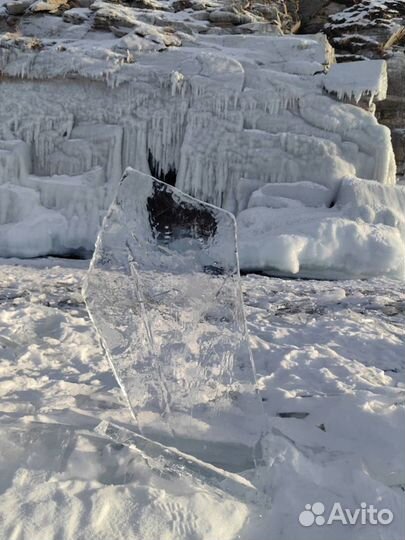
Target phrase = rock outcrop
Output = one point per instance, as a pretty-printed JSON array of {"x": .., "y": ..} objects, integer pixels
[
  {"x": 368, "y": 29},
  {"x": 27, "y": 17}
]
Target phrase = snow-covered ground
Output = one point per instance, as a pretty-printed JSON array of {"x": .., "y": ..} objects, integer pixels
[{"x": 330, "y": 358}]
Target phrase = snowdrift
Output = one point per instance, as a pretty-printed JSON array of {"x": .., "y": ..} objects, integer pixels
[{"x": 360, "y": 235}]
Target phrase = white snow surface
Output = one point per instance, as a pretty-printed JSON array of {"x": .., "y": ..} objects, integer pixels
[
  {"x": 330, "y": 358},
  {"x": 212, "y": 113},
  {"x": 373, "y": 202}
]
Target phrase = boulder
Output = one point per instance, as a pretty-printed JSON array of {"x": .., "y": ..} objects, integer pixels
[{"x": 18, "y": 7}]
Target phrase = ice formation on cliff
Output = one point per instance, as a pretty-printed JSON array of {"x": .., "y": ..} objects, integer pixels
[
  {"x": 356, "y": 80},
  {"x": 219, "y": 118},
  {"x": 163, "y": 291}
]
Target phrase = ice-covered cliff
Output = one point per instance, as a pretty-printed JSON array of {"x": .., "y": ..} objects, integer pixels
[
  {"x": 218, "y": 115},
  {"x": 368, "y": 29}
]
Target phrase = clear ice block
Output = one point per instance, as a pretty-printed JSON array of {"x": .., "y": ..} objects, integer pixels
[{"x": 163, "y": 291}]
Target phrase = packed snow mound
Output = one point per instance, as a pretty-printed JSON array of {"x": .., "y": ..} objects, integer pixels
[
  {"x": 299, "y": 229},
  {"x": 318, "y": 243},
  {"x": 51, "y": 215},
  {"x": 373, "y": 202},
  {"x": 164, "y": 293},
  {"x": 362, "y": 234},
  {"x": 27, "y": 227}
]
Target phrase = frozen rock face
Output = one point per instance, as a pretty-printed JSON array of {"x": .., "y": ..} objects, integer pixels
[
  {"x": 391, "y": 112},
  {"x": 158, "y": 22},
  {"x": 163, "y": 291},
  {"x": 368, "y": 29},
  {"x": 314, "y": 14},
  {"x": 218, "y": 116},
  {"x": 376, "y": 29},
  {"x": 218, "y": 120}
]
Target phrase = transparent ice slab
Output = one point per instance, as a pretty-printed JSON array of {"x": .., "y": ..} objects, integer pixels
[
  {"x": 171, "y": 464},
  {"x": 163, "y": 291}
]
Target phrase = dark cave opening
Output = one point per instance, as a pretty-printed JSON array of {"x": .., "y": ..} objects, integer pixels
[
  {"x": 156, "y": 171},
  {"x": 171, "y": 218}
]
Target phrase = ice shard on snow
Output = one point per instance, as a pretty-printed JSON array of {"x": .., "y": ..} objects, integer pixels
[{"x": 163, "y": 291}]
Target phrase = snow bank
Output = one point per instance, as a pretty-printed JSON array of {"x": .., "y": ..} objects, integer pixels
[
  {"x": 25, "y": 226},
  {"x": 373, "y": 202},
  {"x": 363, "y": 234},
  {"x": 318, "y": 243}
]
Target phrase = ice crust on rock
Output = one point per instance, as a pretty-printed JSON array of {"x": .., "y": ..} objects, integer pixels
[
  {"x": 163, "y": 291},
  {"x": 220, "y": 117},
  {"x": 294, "y": 193},
  {"x": 356, "y": 80}
]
